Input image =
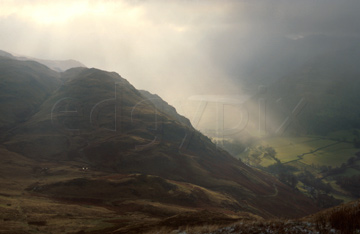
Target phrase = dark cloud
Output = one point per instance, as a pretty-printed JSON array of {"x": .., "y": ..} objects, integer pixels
[
  {"x": 181, "y": 48},
  {"x": 267, "y": 39}
]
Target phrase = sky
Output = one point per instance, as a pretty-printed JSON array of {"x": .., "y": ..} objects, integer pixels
[{"x": 179, "y": 49}]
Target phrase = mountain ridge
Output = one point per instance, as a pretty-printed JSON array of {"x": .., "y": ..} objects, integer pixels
[
  {"x": 56, "y": 65},
  {"x": 94, "y": 126}
]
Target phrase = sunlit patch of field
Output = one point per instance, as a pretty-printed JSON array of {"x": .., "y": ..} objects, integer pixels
[
  {"x": 331, "y": 156},
  {"x": 313, "y": 154},
  {"x": 309, "y": 150},
  {"x": 265, "y": 162},
  {"x": 301, "y": 187},
  {"x": 289, "y": 148}
]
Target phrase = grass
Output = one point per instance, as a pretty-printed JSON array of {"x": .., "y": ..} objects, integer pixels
[
  {"x": 340, "y": 219},
  {"x": 23, "y": 211},
  {"x": 36, "y": 213},
  {"x": 331, "y": 156},
  {"x": 312, "y": 150},
  {"x": 188, "y": 229},
  {"x": 265, "y": 162},
  {"x": 312, "y": 153},
  {"x": 289, "y": 148}
]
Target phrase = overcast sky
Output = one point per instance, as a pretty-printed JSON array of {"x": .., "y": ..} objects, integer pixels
[{"x": 180, "y": 48}]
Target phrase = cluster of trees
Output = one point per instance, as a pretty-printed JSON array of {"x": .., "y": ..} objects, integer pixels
[
  {"x": 326, "y": 200},
  {"x": 318, "y": 190},
  {"x": 284, "y": 173},
  {"x": 259, "y": 153},
  {"x": 330, "y": 171},
  {"x": 269, "y": 152},
  {"x": 288, "y": 179},
  {"x": 310, "y": 180},
  {"x": 351, "y": 184}
]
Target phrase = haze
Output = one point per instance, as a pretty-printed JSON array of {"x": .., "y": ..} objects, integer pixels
[{"x": 178, "y": 49}]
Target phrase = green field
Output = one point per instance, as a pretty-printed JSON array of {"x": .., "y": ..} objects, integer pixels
[
  {"x": 333, "y": 155},
  {"x": 311, "y": 154},
  {"x": 309, "y": 150},
  {"x": 288, "y": 149}
]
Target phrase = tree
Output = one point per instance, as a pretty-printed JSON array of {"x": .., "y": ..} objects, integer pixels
[
  {"x": 271, "y": 153},
  {"x": 288, "y": 179}
]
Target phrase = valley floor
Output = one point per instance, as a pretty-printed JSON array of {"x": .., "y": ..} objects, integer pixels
[{"x": 318, "y": 166}]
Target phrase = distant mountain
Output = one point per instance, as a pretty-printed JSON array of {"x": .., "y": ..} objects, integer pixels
[
  {"x": 56, "y": 65},
  {"x": 88, "y": 136}
]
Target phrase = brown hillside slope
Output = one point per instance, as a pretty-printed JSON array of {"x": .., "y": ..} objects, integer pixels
[{"x": 98, "y": 123}]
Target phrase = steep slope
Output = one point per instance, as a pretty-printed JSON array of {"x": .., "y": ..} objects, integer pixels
[
  {"x": 100, "y": 141},
  {"x": 24, "y": 86},
  {"x": 165, "y": 107}
]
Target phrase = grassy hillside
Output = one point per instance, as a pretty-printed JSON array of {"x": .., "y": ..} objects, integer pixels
[
  {"x": 116, "y": 129},
  {"x": 24, "y": 86},
  {"x": 95, "y": 144}
]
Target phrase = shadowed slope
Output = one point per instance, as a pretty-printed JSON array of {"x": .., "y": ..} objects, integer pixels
[
  {"x": 99, "y": 119},
  {"x": 24, "y": 86}
]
